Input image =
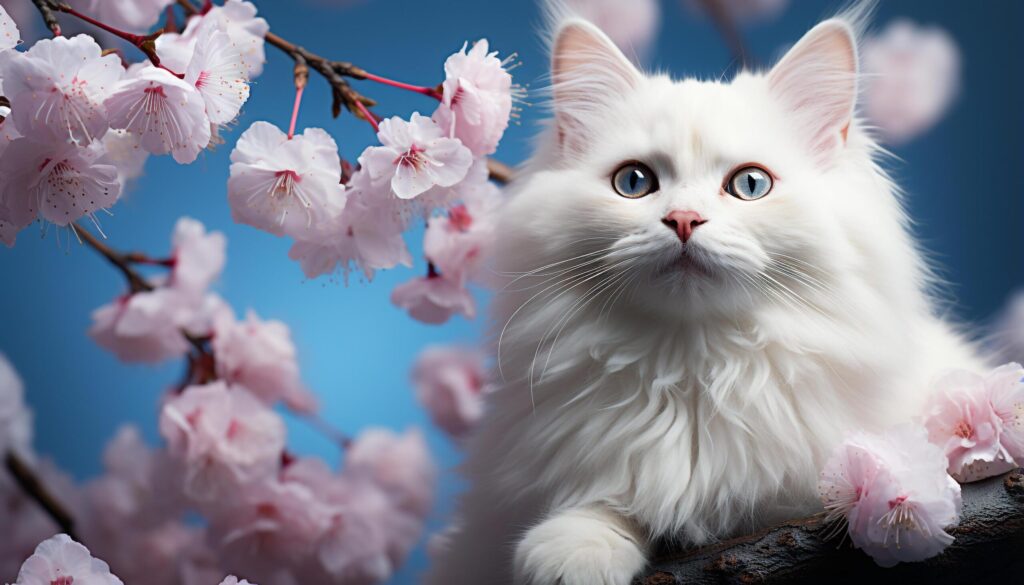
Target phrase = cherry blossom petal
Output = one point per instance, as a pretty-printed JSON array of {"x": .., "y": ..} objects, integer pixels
[
  {"x": 198, "y": 257},
  {"x": 57, "y": 88},
  {"x": 477, "y": 99},
  {"x": 261, "y": 356},
  {"x": 433, "y": 299},
  {"x": 15, "y": 417},
  {"x": 58, "y": 181},
  {"x": 224, "y": 436},
  {"x": 450, "y": 383},
  {"x": 142, "y": 327},
  {"x": 137, "y": 16},
  {"x": 9, "y": 34},
  {"x": 62, "y": 561},
  {"x": 218, "y": 71},
  {"x": 246, "y": 30},
  {"x": 400, "y": 464},
  {"x": 166, "y": 114},
  {"x": 285, "y": 186},
  {"x": 1005, "y": 387}
]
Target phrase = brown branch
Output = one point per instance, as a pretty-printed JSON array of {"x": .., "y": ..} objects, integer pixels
[
  {"x": 33, "y": 486},
  {"x": 120, "y": 260},
  {"x": 726, "y": 25},
  {"x": 335, "y": 72},
  {"x": 46, "y": 11},
  {"x": 988, "y": 542}
]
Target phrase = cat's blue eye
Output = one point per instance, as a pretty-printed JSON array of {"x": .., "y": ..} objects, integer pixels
[
  {"x": 634, "y": 180},
  {"x": 749, "y": 183}
]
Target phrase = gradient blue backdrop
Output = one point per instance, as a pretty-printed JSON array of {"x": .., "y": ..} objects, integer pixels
[{"x": 963, "y": 180}]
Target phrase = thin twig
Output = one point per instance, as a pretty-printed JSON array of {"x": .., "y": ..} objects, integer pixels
[
  {"x": 33, "y": 486},
  {"x": 120, "y": 260},
  {"x": 726, "y": 26},
  {"x": 43, "y": 6}
]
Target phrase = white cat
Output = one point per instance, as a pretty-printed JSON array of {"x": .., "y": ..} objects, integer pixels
[{"x": 709, "y": 284}]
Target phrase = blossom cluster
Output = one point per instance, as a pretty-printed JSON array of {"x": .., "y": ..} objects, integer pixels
[
  {"x": 294, "y": 185},
  {"x": 82, "y": 122},
  {"x": 897, "y": 492},
  {"x": 268, "y": 514}
]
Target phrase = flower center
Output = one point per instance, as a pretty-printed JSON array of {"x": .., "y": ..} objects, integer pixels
[
  {"x": 63, "y": 580},
  {"x": 460, "y": 218},
  {"x": 412, "y": 158},
  {"x": 963, "y": 430}
]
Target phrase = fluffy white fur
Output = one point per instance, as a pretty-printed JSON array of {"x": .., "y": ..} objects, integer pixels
[{"x": 654, "y": 389}]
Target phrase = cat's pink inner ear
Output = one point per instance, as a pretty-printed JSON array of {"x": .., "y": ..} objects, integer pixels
[
  {"x": 817, "y": 83},
  {"x": 589, "y": 74}
]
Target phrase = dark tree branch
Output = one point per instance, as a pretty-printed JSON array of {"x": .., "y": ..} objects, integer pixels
[
  {"x": 32, "y": 485},
  {"x": 989, "y": 544},
  {"x": 726, "y": 25},
  {"x": 43, "y": 6}
]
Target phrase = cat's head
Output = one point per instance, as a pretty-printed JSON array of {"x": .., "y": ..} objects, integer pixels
[{"x": 700, "y": 196}]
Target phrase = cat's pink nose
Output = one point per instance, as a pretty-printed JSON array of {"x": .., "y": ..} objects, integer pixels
[{"x": 683, "y": 223}]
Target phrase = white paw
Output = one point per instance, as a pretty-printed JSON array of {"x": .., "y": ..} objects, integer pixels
[{"x": 579, "y": 547}]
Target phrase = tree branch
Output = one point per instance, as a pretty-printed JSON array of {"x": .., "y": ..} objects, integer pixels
[
  {"x": 335, "y": 72},
  {"x": 989, "y": 541},
  {"x": 32, "y": 485},
  {"x": 726, "y": 26}
]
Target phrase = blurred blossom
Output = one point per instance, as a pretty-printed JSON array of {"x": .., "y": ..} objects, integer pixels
[
  {"x": 450, "y": 383},
  {"x": 433, "y": 299},
  {"x": 631, "y": 25},
  {"x": 15, "y": 417},
  {"x": 978, "y": 421},
  {"x": 9, "y": 33},
  {"x": 137, "y": 16},
  {"x": 911, "y": 75}
]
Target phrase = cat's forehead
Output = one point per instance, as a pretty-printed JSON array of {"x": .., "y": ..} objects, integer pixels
[{"x": 695, "y": 120}]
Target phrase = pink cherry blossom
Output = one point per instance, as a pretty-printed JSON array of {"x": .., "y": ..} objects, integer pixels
[
  {"x": 366, "y": 234},
  {"x": 165, "y": 113},
  {"x": 268, "y": 526},
  {"x": 143, "y": 327},
  {"x": 198, "y": 257},
  {"x": 232, "y": 580},
  {"x": 1005, "y": 387},
  {"x": 962, "y": 421},
  {"x": 911, "y": 74},
  {"x": 260, "y": 355},
  {"x": 57, "y": 88},
  {"x": 368, "y": 538},
  {"x": 62, "y": 561},
  {"x": 246, "y": 30},
  {"x": 9, "y": 34},
  {"x": 400, "y": 464},
  {"x": 415, "y": 156},
  {"x": 137, "y": 16},
  {"x": 458, "y": 243},
  {"x": 433, "y": 299},
  {"x": 15, "y": 417},
  {"x": 450, "y": 383},
  {"x": 58, "y": 181},
  {"x": 218, "y": 71},
  {"x": 224, "y": 436},
  {"x": 894, "y": 494},
  {"x": 285, "y": 186},
  {"x": 477, "y": 99}
]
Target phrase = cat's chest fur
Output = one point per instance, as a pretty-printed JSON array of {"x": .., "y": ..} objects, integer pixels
[{"x": 696, "y": 431}]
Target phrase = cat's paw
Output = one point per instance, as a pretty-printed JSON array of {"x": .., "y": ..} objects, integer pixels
[{"x": 578, "y": 547}]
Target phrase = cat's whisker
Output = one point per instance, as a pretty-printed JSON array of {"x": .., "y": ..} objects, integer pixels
[
  {"x": 540, "y": 344},
  {"x": 591, "y": 295}
]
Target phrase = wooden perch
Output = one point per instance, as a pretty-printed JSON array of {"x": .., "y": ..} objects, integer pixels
[{"x": 989, "y": 545}]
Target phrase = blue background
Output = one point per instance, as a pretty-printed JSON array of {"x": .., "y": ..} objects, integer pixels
[{"x": 962, "y": 177}]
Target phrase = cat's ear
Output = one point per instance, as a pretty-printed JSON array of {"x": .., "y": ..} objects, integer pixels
[
  {"x": 816, "y": 81},
  {"x": 589, "y": 73}
]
